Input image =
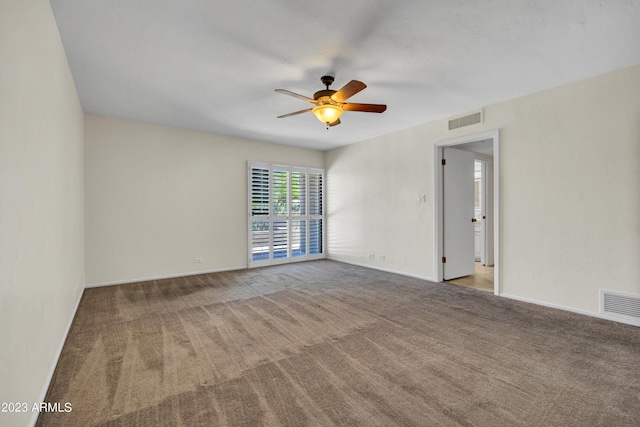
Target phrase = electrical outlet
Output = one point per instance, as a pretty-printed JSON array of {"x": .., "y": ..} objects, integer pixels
[
  {"x": 372, "y": 256},
  {"x": 197, "y": 260},
  {"x": 382, "y": 257}
]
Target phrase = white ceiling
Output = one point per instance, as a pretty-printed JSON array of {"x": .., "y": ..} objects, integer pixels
[{"x": 212, "y": 65}]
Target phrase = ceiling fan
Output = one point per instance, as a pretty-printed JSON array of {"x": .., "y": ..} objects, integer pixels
[{"x": 330, "y": 103}]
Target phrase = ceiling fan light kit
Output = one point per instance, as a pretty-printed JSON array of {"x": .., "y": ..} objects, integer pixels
[
  {"x": 327, "y": 113},
  {"x": 330, "y": 103}
]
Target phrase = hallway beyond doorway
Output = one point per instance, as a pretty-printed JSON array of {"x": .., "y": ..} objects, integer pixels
[{"x": 482, "y": 279}]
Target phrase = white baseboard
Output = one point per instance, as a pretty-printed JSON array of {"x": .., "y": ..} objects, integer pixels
[
  {"x": 572, "y": 310},
  {"x": 170, "y": 276},
  {"x": 47, "y": 383},
  {"x": 513, "y": 297},
  {"x": 388, "y": 270}
]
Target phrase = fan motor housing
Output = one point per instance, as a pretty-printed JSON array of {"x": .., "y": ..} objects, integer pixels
[{"x": 321, "y": 93}]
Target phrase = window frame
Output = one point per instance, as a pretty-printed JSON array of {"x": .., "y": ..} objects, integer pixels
[{"x": 289, "y": 217}]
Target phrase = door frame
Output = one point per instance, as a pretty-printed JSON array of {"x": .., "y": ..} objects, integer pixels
[
  {"x": 483, "y": 207},
  {"x": 270, "y": 218},
  {"x": 487, "y": 255},
  {"x": 494, "y": 135}
]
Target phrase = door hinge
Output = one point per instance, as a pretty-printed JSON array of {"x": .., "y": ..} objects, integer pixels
[
  {"x": 444, "y": 259},
  {"x": 444, "y": 162}
]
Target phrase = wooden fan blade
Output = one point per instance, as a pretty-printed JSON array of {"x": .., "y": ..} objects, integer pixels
[
  {"x": 336, "y": 123},
  {"x": 294, "y": 114},
  {"x": 348, "y": 91},
  {"x": 296, "y": 95},
  {"x": 367, "y": 108}
]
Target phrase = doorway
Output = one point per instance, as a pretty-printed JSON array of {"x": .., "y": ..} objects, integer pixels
[{"x": 466, "y": 209}]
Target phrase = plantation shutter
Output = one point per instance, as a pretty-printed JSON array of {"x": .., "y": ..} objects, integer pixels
[
  {"x": 298, "y": 214},
  {"x": 316, "y": 214},
  {"x": 259, "y": 214},
  {"x": 280, "y": 202},
  {"x": 285, "y": 214},
  {"x": 259, "y": 191}
]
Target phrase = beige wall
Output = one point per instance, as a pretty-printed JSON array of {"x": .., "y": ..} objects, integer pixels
[
  {"x": 158, "y": 197},
  {"x": 372, "y": 192},
  {"x": 41, "y": 201},
  {"x": 570, "y": 193}
]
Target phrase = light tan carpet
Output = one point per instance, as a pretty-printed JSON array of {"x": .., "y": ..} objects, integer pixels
[{"x": 324, "y": 343}]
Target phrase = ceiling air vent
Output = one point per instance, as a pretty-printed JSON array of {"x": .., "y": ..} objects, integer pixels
[
  {"x": 623, "y": 306},
  {"x": 466, "y": 120}
]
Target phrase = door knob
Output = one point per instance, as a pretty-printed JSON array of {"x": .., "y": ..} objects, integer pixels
[{"x": 474, "y": 220}]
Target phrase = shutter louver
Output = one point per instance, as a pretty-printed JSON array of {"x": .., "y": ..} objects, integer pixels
[
  {"x": 280, "y": 196},
  {"x": 260, "y": 240},
  {"x": 315, "y": 236},
  {"x": 315, "y": 211},
  {"x": 259, "y": 191},
  {"x": 315, "y": 194},
  {"x": 298, "y": 209},
  {"x": 298, "y": 193},
  {"x": 280, "y": 239},
  {"x": 298, "y": 237}
]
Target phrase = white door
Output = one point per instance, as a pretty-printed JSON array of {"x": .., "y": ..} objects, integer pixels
[{"x": 458, "y": 214}]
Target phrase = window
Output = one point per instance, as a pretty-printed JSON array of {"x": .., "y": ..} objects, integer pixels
[{"x": 286, "y": 214}]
